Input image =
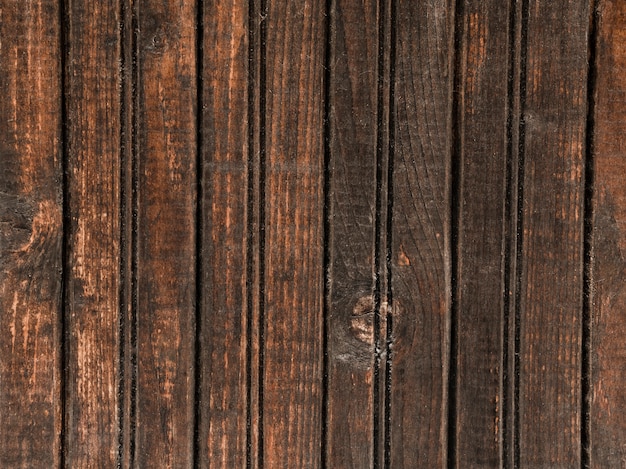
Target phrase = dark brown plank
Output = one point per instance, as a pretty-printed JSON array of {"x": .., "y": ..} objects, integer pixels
[
  {"x": 483, "y": 101},
  {"x": 92, "y": 88},
  {"x": 31, "y": 224},
  {"x": 552, "y": 134},
  {"x": 608, "y": 400},
  {"x": 293, "y": 223},
  {"x": 420, "y": 255},
  {"x": 225, "y": 280},
  {"x": 354, "y": 123},
  {"x": 166, "y": 293}
]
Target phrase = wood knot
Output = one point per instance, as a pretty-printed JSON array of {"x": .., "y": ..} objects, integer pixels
[{"x": 362, "y": 320}]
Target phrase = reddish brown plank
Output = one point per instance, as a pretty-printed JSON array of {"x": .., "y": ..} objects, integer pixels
[
  {"x": 92, "y": 89},
  {"x": 608, "y": 400},
  {"x": 293, "y": 224},
  {"x": 166, "y": 207},
  {"x": 225, "y": 281},
  {"x": 483, "y": 101},
  {"x": 420, "y": 254},
  {"x": 353, "y": 119},
  {"x": 552, "y": 134},
  {"x": 30, "y": 234}
]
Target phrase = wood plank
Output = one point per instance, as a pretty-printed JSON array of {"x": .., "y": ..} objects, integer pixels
[
  {"x": 608, "y": 401},
  {"x": 483, "y": 109},
  {"x": 293, "y": 225},
  {"x": 166, "y": 198},
  {"x": 552, "y": 134},
  {"x": 226, "y": 280},
  {"x": 31, "y": 224},
  {"x": 421, "y": 253},
  {"x": 354, "y": 77},
  {"x": 93, "y": 313}
]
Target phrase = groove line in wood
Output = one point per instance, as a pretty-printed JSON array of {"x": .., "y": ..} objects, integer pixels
[
  {"x": 588, "y": 229},
  {"x": 66, "y": 236},
  {"x": 326, "y": 262},
  {"x": 389, "y": 239},
  {"x": 379, "y": 277},
  {"x": 519, "y": 244},
  {"x": 250, "y": 238},
  {"x": 509, "y": 240},
  {"x": 199, "y": 231},
  {"x": 132, "y": 445},
  {"x": 124, "y": 242},
  {"x": 455, "y": 196},
  {"x": 262, "y": 44}
]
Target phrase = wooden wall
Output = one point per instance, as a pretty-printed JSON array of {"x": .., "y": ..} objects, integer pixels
[{"x": 312, "y": 234}]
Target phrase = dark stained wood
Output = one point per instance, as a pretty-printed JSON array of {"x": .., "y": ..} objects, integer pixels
[
  {"x": 93, "y": 131},
  {"x": 551, "y": 289},
  {"x": 483, "y": 106},
  {"x": 420, "y": 255},
  {"x": 166, "y": 197},
  {"x": 353, "y": 162},
  {"x": 397, "y": 256},
  {"x": 225, "y": 281},
  {"x": 31, "y": 233},
  {"x": 293, "y": 224},
  {"x": 608, "y": 400}
]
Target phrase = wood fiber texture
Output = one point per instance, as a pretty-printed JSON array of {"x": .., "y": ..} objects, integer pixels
[
  {"x": 339, "y": 234},
  {"x": 31, "y": 236},
  {"x": 93, "y": 312}
]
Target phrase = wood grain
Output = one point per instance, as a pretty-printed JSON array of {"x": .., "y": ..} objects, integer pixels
[
  {"x": 225, "y": 238},
  {"x": 384, "y": 264},
  {"x": 166, "y": 223},
  {"x": 483, "y": 109},
  {"x": 353, "y": 160},
  {"x": 421, "y": 234},
  {"x": 31, "y": 233},
  {"x": 608, "y": 401},
  {"x": 552, "y": 133},
  {"x": 293, "y": 224},
  {"x": 93, "y": 313}
]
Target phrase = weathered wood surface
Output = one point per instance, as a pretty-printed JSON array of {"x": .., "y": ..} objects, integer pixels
[
  {"x": 484, "y": 165},
  {"x": 227, "y": 283},
  {"x": 31, "y": 235},
  {"x": 552, "y": 146},
  {"x": 608, "y": 297},
  {"x": 420, "y": 256},
  {"x": 312, "y": 234},
  {"x": 353, "y": 158},
  {"x": 165, "y": 172},
  {"x": 92, "y": 87},
  {"x": 293, "y": 230}
]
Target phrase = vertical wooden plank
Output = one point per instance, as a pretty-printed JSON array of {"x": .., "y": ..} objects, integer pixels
[
  {"x": 483, "y": 106},
  {"x": 552, "y": 134},
  {"x": 225, "y": 310},
  {"x": 608, "y": 401},
  {"x": 420, "y": 257},
  {"x": 166, "y": 198},
  {"x": 293, "y": 223},
  {"x": 93, "y": 96},
  {"x": 31, "y": 224},
  {"x": 354, "y": 77}
]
